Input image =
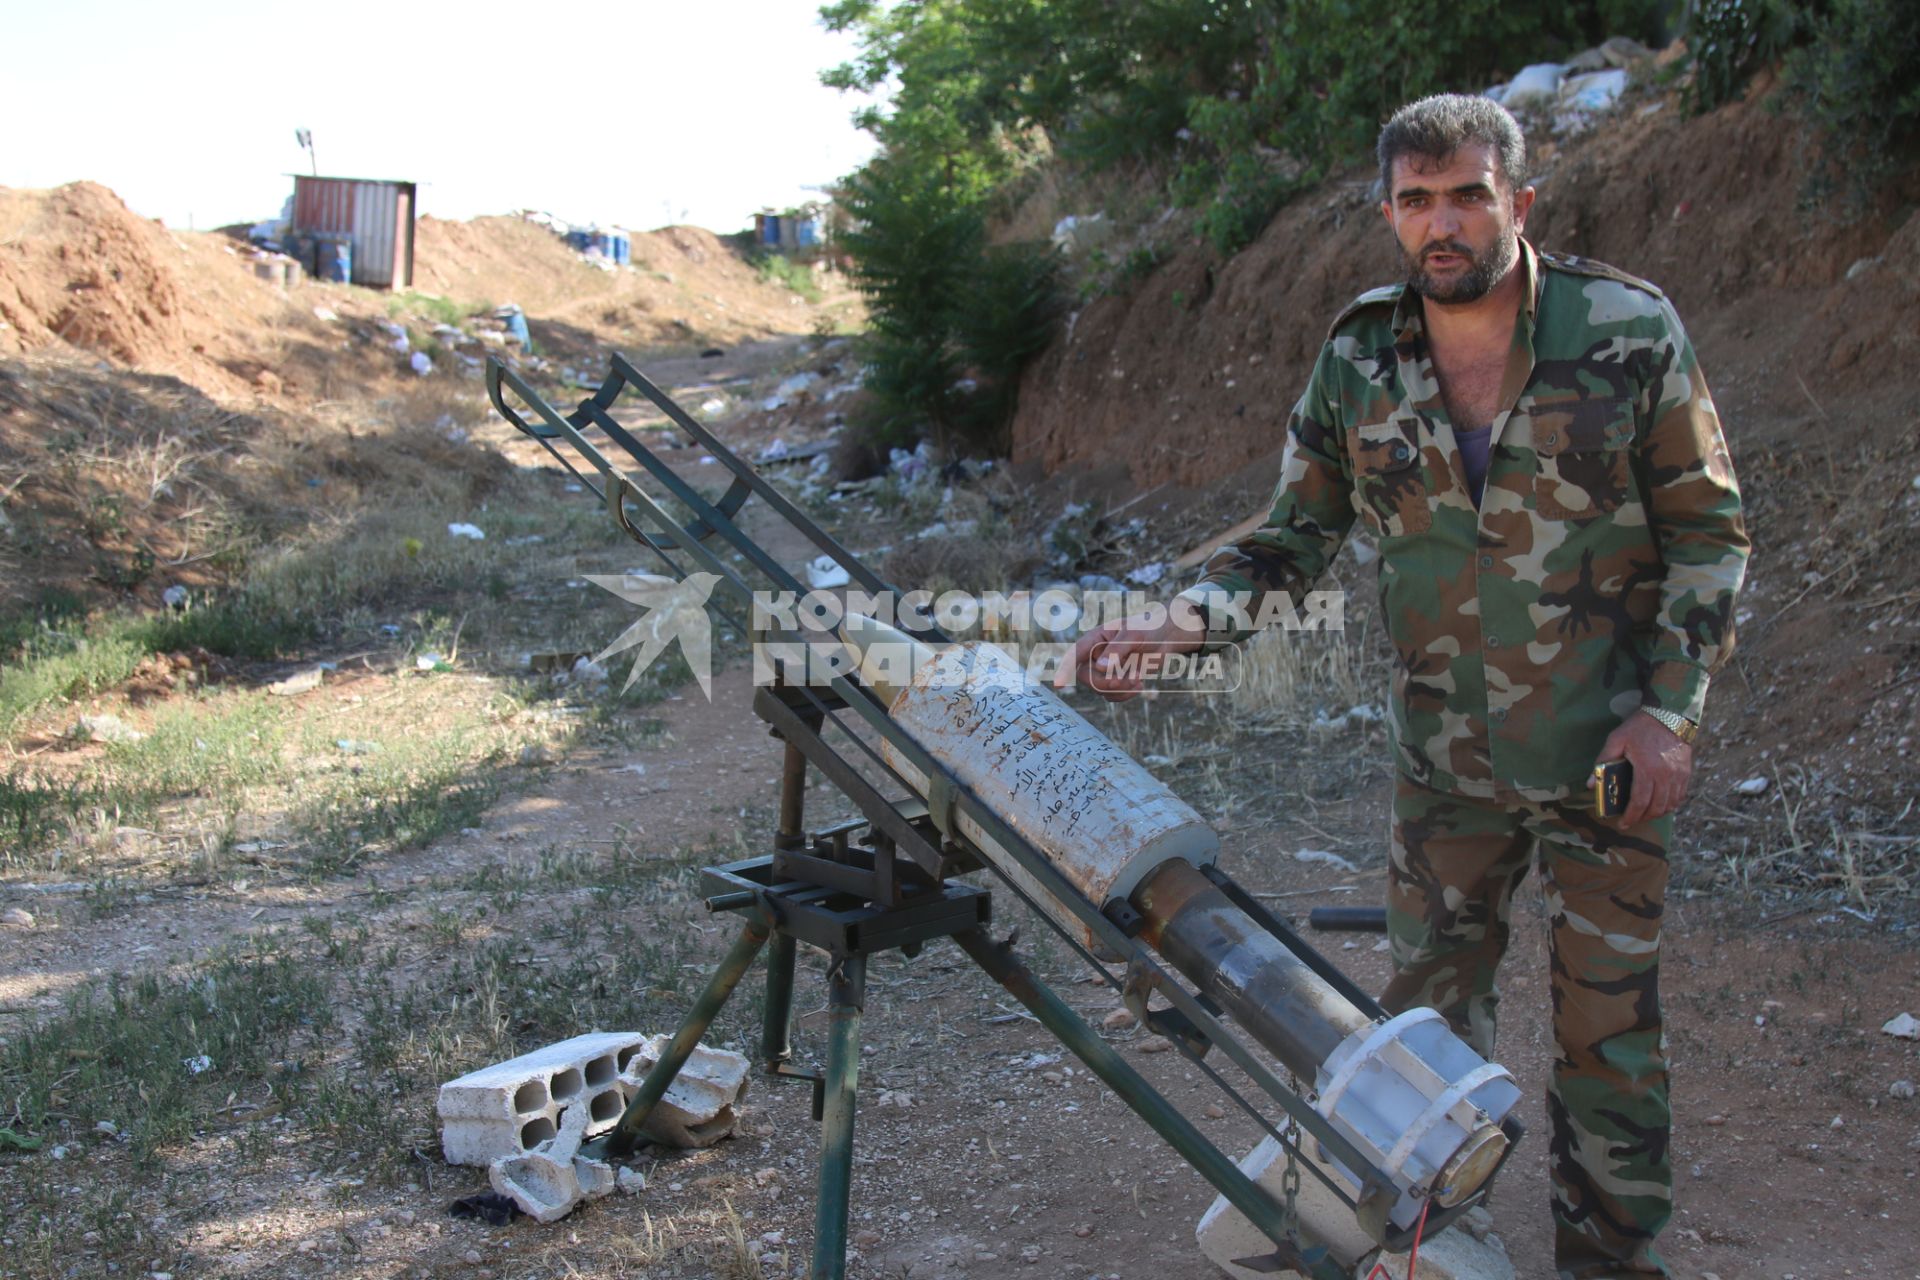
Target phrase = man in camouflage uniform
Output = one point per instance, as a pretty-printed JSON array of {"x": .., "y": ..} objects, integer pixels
[{"x": 1530, "y": 441}]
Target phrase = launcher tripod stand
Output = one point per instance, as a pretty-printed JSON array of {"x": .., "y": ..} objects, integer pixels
[{"x": 887, "y": 879}]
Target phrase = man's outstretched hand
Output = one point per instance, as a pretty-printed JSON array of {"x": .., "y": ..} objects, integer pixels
[
  {"x": 1100, "y": 658},
  {"x": 1662, "y": 767}
]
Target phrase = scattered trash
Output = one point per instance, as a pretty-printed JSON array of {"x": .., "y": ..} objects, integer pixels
[
  {"x": 1323, "y": 856},
  {"x": 823, "y": 572},
  {"x": 713, "y": 406},
  {"x": 461, "y": 530},
  {"x": 297, "y": 683},
  {"x": 431, "y": 662},
  {"x": 325, "y": 315},
  {"x": 1534, "y": 86},
  {"x": 1902, "y": 1027},
  {"x": 798, "y": 384},
  {"x": 174, "y": 597},
  {"x": 197, "y": 1064},
  {"x": 1752, "y": 786},
  {"x": 421, "y": 363},
  {"x": 489, "y": 1207},
  {"x": 104, "y": 728}
]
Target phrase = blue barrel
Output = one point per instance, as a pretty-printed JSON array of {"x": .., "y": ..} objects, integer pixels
[{"x": 333, "y": 256}]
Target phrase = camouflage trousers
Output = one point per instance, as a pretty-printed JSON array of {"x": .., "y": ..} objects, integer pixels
[{"x": 1456, "y": 863}]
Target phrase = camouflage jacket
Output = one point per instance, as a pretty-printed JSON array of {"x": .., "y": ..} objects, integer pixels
[{"x": 1597, "y": 574}]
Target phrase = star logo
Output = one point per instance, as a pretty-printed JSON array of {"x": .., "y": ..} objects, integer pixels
[{"x": 676, "y": 610}]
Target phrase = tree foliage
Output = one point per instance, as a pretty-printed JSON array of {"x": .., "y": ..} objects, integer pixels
[{"x": 1238, "y": 103}]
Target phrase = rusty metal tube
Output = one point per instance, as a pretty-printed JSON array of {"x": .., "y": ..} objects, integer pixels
[{"x": 1268, "y": 990}]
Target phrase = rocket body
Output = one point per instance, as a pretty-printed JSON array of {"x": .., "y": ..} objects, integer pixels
[{"x": 1406, "y": 1088}]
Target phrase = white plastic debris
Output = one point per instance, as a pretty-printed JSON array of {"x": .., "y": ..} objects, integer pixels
[
  {"x": 713, "y": 406},
  {"x": 587, "y": 671},
  {"x": 823, "y": 573},
  {"x": 421, "y": 363},
  {"x": 174, "y": 597},
  {"x": 472, "y": 531},
  {"x": 325, "y": 315},
  {"x": 1535, "y": 85},
  {"x": 197, "y": 1064},
  {"x": 1595, "y": 92},
  {"x": 1147, "y": 574},
  {"x": 1323, "y": 856},
  {"x": 1902, "y": 1027},
  {"x": 797, "y": 384},
  {"x": 104, "y": 728},
  {"x": 1752, "y": 786}
]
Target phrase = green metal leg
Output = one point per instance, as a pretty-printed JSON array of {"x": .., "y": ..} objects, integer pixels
[
  {"x": 846, "y": 996},
  {"x": 626, "y": 1135},
  {"x": 1145, "y": 1101},
  {"x": 776, "y": 1029}
]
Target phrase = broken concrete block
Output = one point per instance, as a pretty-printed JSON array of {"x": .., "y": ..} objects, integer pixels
[
  {"x": 514, "y": 1106},
  {"x": 548, "y": 1182},
  {"x": 1454, "y": 1254},
  {"x": 1239, "y": 1248},
  {"x": 701, "y": 1105}
]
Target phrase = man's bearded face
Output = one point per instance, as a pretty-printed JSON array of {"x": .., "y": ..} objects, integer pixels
[{"x": 1455, "y": 220}]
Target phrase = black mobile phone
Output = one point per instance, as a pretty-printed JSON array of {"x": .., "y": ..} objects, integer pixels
[{"x": 1612, "y": 779}]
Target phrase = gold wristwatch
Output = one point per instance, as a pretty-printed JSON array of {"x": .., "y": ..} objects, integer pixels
[{"x": 1683, "y": 728}]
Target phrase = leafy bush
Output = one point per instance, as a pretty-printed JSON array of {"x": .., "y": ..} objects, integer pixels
[
  {"x": 779, "y": 269},
  {"x": 1854, "y": 82},
  {"x": 943, "y": 308},
  {"x": 1730, "y": 40}
]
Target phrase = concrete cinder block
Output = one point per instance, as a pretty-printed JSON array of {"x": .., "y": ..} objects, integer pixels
[
  {"x": 701, "y": 1106},
  {"x": 1454, "y": 1254},
  {"x": 1238, "y": 1248},
  {"x": 514, "y": 1106},
  {"x": 1234, "y": 1245},
  {"x": 549, "y": 1181}
]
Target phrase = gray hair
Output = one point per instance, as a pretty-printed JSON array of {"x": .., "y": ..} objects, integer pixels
[{"x": 1438, "y": 126}]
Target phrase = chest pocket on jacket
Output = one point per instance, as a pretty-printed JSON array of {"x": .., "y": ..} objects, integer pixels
[
  {"x": 1584, "y": 447},
  {"x": 1389, "y": 482}
]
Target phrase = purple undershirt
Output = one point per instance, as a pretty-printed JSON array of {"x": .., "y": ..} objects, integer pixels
[{"x": 1474, "y": 448}]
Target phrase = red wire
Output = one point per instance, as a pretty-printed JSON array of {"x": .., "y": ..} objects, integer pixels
[{"x": 1413, "y": 1258}]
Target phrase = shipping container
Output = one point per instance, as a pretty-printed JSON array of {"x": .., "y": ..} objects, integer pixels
[{"x": 377, "y": 216}]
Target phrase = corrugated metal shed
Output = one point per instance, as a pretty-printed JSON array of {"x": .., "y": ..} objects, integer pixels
[{"x": 377, "y": 214}]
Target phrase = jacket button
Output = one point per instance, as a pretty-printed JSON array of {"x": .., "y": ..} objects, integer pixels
[
  {"x": 1486, "y": 562},
  {"x": 1553, "y": 438},
  {"x": 1493, "y": 642},
  {"x": 1499, "y": 715}
]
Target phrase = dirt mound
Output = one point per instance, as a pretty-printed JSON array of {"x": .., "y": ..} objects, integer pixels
[
  {"x": 76, "y": 265},
  {"x": 683, "y": 281},
  {"x": 80, "y": 270}
]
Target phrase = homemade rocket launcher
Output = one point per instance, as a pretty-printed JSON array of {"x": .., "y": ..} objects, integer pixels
[{"x": 1376, "y": 1128}]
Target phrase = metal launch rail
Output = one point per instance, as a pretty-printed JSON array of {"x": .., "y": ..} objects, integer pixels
[{"x": 889, "y": 879}]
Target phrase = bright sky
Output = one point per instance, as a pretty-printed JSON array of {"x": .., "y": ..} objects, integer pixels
[{"x": 637, "y": 113}]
